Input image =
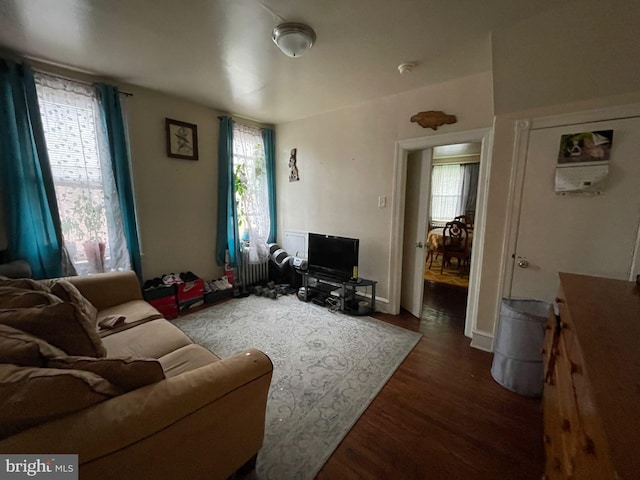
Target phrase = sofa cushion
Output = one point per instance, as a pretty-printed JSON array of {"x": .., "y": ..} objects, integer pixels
[
  {"x": 25, "y": 283},
  {"x": 12, "y": 297},
  {"x": 135, "y": 313},
  {"x": 148, "y": 340},
  {"x": 31, "y": 396},
  {"x": 68, "y": 292},
  {"x": 20, "y": 348},
  {"x": 126, "y": 373},
  {"x": 62, "y": 325},
  {"x": 185, "y": 359}
]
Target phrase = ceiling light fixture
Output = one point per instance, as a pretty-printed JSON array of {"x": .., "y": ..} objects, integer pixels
[
  {"x": 406, "y": 67},
  {"x": 294, "y": 39}
]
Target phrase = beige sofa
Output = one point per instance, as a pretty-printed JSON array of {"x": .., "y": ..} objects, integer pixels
[{"x": 204, "y": 420}]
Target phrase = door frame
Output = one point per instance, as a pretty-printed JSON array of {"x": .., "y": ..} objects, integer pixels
[
  {"x": 403, "y": 147},
  {"x": 523, "y": 128}
]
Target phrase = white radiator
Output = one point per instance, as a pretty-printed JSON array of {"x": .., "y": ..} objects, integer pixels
[{"x": 253, "y": 273}]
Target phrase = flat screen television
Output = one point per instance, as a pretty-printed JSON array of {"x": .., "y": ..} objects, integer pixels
[{"x": 333, "y": 256}]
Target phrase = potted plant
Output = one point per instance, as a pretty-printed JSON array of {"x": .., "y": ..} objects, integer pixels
[{"x": 86, "y": 224}]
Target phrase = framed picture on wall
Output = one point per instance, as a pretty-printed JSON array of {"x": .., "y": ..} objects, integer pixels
[{"x": 182, "y": 139}]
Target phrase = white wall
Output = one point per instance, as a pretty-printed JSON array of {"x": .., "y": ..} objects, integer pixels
[
  {"x": 580, "y": 50},
  {"x": 346, "y": 158},
  {"x": 176, "y": 199}
]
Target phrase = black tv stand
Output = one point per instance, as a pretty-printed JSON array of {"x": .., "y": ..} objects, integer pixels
[{"x": 346, "y": 291}]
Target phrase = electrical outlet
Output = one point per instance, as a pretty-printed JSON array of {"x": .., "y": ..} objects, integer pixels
[{"x": 382, "y": 201}]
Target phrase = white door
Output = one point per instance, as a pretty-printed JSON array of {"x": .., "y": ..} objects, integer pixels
[
  {"x": 415, "y": 231},
  {"x": 591, "y": 235}
]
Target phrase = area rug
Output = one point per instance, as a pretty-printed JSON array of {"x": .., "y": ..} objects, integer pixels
[
  {"x": 450, "y": 276},
  {"x": 328, "y": 367}
]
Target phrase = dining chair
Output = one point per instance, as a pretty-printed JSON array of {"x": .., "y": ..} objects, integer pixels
[
  {"x": 455, "y": 244},
  {"x": 466, "y": 219}
]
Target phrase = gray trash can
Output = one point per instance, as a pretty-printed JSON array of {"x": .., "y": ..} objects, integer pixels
[{"x": 517, "y": 359}]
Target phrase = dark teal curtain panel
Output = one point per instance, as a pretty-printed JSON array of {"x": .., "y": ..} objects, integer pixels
[
  {"x": 30, "y": 208},
  {"x": 269, "y": 138},
  {"x": 114, "y": 125},
  {"x": 227, "y": 236}
]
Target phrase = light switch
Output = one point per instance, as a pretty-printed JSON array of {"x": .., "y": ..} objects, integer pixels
[{"x": 382, "y": 201}]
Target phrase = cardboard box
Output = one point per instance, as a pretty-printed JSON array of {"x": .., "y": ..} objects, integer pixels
[
  {"x": 160, "y": 292},
  {"x": 218, "y": 295},
  {"x": 187, "y": 304},
  {"x": 167, "y": 306},
  {"x": 190, "y": 291},
  {"x": 164, "y": 298}
]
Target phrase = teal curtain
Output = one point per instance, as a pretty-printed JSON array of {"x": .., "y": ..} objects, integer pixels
[
  {"x": 114, "y": 125},
  {"x": 227, "y": 236},
  {"x": 269, "y": 138},
  {"x": 29, "y": 202}
]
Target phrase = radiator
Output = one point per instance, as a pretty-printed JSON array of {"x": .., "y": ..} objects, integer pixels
[{"x": 253, "y": 273}]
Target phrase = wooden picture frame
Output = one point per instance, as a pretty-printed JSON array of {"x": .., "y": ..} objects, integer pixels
[{"x": 182, "y": 139}]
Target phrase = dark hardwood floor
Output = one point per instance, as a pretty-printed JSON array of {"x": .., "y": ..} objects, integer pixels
[{"x": 441, "y": 415}]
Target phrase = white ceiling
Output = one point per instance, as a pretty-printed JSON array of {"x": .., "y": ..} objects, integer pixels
[{"x": 219, "y": 52}]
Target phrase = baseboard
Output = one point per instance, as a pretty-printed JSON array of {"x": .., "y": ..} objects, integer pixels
[
  {"x": 382, "y": 305},
  {"x": 482, "y": 340}
]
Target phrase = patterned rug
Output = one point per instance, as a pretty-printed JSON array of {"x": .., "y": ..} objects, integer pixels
[
  {"x": 328, "y": 367},
  {"x": 450, "y": 276}
]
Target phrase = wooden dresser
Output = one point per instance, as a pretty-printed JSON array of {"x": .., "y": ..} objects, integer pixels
[{"x": 592, "y": 380}]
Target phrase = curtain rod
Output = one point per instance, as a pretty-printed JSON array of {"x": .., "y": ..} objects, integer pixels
[{"x": 84, "y": 82}]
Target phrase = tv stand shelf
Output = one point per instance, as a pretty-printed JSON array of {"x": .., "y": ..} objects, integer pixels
[{"x": 346, "y": 291}]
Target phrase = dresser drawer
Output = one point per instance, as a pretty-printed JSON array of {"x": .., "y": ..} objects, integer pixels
[
  {"x": 569, "y": 422},
  {"x": 548, "y": 346},
  {"x": 592, "y": 452},
  {"x": 552, "y": 437}
]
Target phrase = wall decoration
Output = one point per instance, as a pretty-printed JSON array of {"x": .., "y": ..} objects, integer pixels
[
  {"x": 182, "y": 139},
  {"x": 585, "y": 147},
  {"x": 433, "y": 119},
  {"x": 583, "y": 162},
  {"x": 293, "y": 167}
]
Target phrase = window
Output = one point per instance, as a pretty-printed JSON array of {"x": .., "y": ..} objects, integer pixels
[
  {"x": 252, "y": 197},
  {"x": 446, "y": 188},
  {"x": 82, "y": 174}
]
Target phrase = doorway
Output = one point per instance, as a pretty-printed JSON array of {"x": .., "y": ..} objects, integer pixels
[
  {"x": 399, "y": 277},
  {"x": 453, "y": 196}
]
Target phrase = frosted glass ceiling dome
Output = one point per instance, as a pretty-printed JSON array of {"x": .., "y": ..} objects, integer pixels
[{"x": 294, "y": 39}]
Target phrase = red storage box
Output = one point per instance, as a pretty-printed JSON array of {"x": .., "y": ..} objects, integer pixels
[
  {"x": 190, "y": 291},
  {"x": 167, "y": 306}
]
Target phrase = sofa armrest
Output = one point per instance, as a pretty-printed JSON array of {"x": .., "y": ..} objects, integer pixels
[
  {"x": 204, "y": 423},
  {"x": 16, "y": 269},
  {"x": 106, "y": 290}
]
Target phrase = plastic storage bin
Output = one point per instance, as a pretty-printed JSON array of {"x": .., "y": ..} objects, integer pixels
[{"x": 517, "y": 360}]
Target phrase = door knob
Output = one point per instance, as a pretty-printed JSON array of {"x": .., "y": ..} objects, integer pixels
[
  {"x": 523, "y": 263},
  {"x": 419, "y": 245}
]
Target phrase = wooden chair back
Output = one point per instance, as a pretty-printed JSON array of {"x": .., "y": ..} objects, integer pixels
[
  {"x": 455, "y": 243},
  {"x": 466, "y": 219}
]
